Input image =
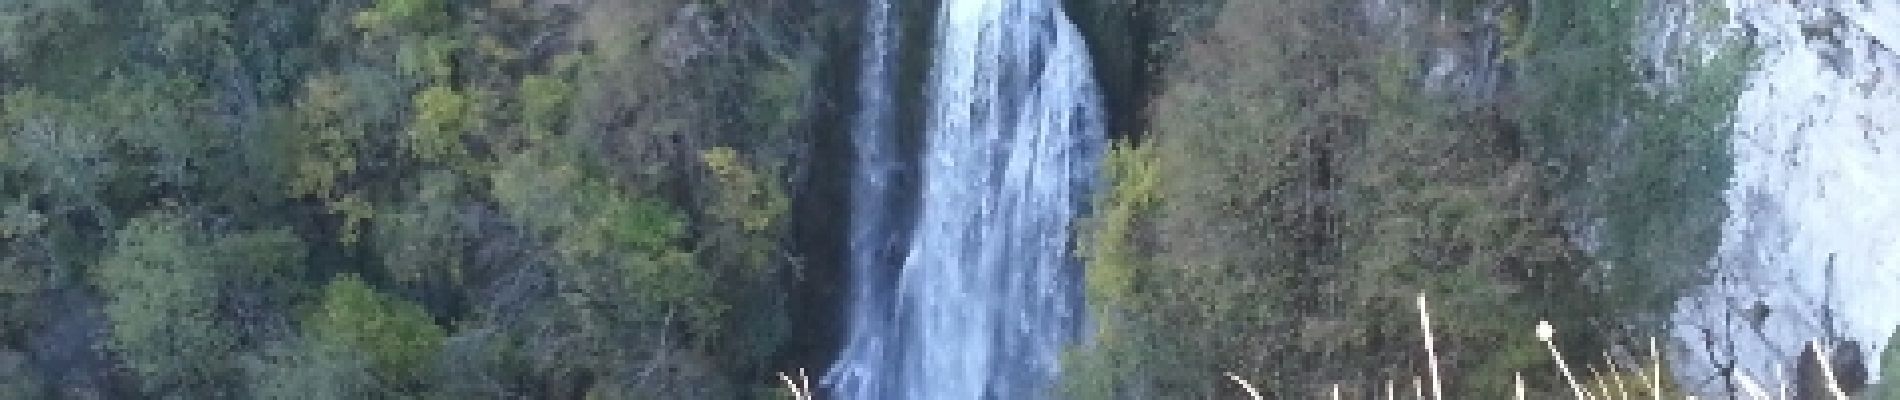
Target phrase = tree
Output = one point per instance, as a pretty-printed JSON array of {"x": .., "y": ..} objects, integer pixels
[
  {"x": 399, "y": 340},
  {"x": 300, "y": 369},
  {"x": 536, "y": 172},
  {"x": 337, "y": 144},
  {"x": 58, "y": 150},
  {"x": 739, "y": 235},
  {"x": 57, "y": 45},
  {"x": 445, "y": 120},
  {"x": 26, "y": 268},
  {"x": 546, "y": 102},
  {"x": 18, "y": 380},
  {"x": 1296, "y": 193},
  {"x": 183, "y": 301},
  {"x": 392, "y": 15},
  {"x": 424, "y": 240},
  {"x": 162, "y": 300}
]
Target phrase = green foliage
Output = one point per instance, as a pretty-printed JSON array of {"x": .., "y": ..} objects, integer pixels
[
  {"x": 443, "y": 117},
  {"x": 595, "y": 214},
  {"x": 429, "y": 58},
  {"x": 1114, "y": 253},
  {"x": 17, "y": 378},
  {"x": 613, "y": 246},
  {"x": 60, "y": 44},
  {"x": 745, "y": 197},
  {"x": 422, "y": 239},
  {"x": 301, "y": 370},
  {"x": 603, "y": 214},
  {"x": 399, "y": 339},
  {"x": 323, "y": 143},
  {"x": 628, "y": 283},
  {"x": 1295, "y": 195},
  {"x": 27, "y": 26},
  {"x": 167, "y": 285},
  {"x": 1650, "y": 159},
  {"x": 780, "y": 103},
  {"x": 404, "y": 15},
  {"x": 545, "y": 103},
  {"x": 333, "y": 145},
  {"x": 106, "y": 154},
  {"x": 162, "y": 304},
  {"x": 26, "y": 267},
  {"x": 56, "y": 139},
  {"x": 741, "y": 243},
  {"x": 589, "y": 217},
  {"x": 192, "y": 31},
  {"x": 634, "y": 109},
  {"x": 1888, "y": 386}
]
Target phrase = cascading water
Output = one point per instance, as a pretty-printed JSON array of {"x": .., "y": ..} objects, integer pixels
[
  {"x": 988, "y": 293},
  {"x": 1811, "y": 248},
  {"x": 873, "y": 239}
]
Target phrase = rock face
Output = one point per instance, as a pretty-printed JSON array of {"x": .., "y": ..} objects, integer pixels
[
  {"x": 1849, "y": 365},
  {"x": 1810, "y": 233},
  {"x": 692, "y": 34}
]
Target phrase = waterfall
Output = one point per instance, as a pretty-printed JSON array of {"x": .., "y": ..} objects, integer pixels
[
  {"x": 988, "y": 292},
  {"x": 873, "y": 236},
  {"x": 1811, "y": 247}
]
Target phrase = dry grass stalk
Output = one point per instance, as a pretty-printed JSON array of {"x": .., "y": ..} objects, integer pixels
[
  {"x": 1827, "y": 371},
  {"x": 1610, "y": 380},
  {"x": 1547, "y": 334},
  {"x": 1518, "y": 379},
  {"x": 800, "y": 388},
  {"x": 1655, "y": 356},
  {"x": 1251, "y": 392},
  {"x": 1431, "y": 352},
  {"x": 1597, "y": 388},
  {"x": 1616, "y": 378},
  {"x": 1751, "y": 388}
]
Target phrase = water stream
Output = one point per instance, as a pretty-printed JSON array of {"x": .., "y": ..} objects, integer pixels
[
  {"x": 985, "y": 293},
  {"x": 874, "y": 232}
]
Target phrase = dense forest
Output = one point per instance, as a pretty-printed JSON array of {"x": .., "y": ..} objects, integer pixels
[
  {"x": 604, "y": 199},
  {"x": 403, "y": 198},
  {"x": 1298, "y": 187}
]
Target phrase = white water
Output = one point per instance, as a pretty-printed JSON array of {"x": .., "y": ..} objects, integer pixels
[
  {"x": 874, "y": 236},
  {"x": 988, "y": 293},
  {"x": 1815, "y": 198}
]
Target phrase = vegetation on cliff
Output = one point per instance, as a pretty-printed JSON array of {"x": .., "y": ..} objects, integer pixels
[
  {"x": 1299, "y": 182},
  {"x": 629, "y": 198},
  {"x": 402, "y": 198}
]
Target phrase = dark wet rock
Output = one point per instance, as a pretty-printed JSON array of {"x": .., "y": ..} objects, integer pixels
[{"x": 1849, "y": 366}]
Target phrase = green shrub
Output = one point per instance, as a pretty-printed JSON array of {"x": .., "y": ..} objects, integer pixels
[{"x": 398, "y": 338}]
